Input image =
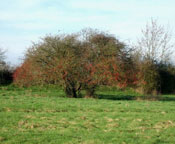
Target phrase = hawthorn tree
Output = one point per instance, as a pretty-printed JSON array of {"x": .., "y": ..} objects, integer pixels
[{"x": 80, "y": 61}]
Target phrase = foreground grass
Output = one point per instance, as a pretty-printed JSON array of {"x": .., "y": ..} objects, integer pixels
[{"x": 46, "y": 116}]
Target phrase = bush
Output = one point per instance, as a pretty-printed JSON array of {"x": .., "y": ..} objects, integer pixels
[
  {"x": 151, "y": 78},
  {"x": 5, "y": 70},
  {"x": 27, "y": 75},
  {"x": 167, "y": 78},
  {"x": 6, "y": 77}
]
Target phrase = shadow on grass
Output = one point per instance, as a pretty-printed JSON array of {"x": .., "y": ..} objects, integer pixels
[
  {"x": 131, "y": 97},
  {"x": 116, "y": 97},
  {"x": 167, "y": 98}
]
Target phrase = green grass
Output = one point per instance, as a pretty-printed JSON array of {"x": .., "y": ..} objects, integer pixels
[{"x": 44, "y": 115}]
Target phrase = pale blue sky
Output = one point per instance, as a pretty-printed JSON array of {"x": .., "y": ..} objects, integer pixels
[{"x": 24, "y": 21}]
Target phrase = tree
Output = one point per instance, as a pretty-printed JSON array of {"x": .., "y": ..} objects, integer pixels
[
  {"x": 2, "y": 57},
  {"x": 80, "y": 61},
  {"x": 156, "y": 42},
  {"x": 153, "y": 48}
]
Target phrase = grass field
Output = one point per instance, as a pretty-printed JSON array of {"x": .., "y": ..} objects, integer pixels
[{"x": 44, "y": 115}]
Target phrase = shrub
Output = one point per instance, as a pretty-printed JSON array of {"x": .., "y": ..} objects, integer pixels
[
  {"x": 27, "y": 75},
  {"x": 149, "y": 78},
  {"x": 5, "y": 70},
  {"x": 167, "y": 78}
]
